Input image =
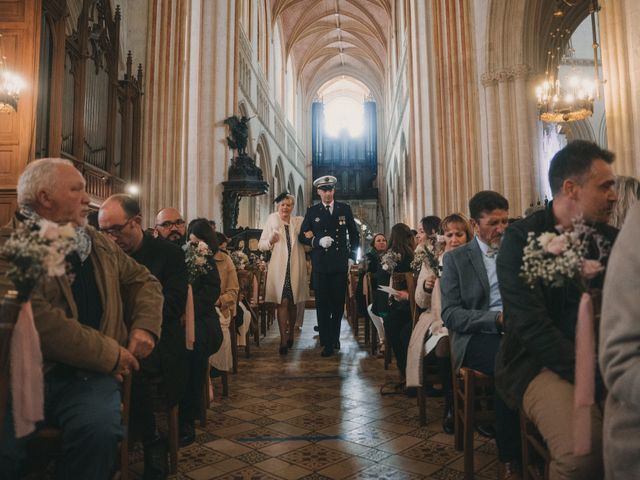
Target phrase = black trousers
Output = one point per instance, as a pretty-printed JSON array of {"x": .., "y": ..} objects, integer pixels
[
  {"x": 481, "y": 355},
  {"x": 330, "y": 290},
  {"x": 397, "y": 328}
]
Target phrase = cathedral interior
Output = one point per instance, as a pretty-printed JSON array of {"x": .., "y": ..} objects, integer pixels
[{"x": 412, "y": 105}]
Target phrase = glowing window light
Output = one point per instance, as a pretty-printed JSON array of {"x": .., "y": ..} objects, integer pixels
[{"x": 343, "y": 113}]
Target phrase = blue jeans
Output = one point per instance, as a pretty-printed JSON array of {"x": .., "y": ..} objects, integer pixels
[{"x": 87, "y": 409}]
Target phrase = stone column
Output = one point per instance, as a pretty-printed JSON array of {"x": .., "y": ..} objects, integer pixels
[
  {"x": 445, "y": 135},
  {"x": 211, "y": 90},
  {"x": 620, "y": 41},
  {"x": 510, "y": 125},
  {"x": 190, "y": 89}
]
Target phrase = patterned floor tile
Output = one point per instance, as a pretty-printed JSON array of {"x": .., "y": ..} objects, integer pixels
[
  {"x": 196, "y": 456},
  {"x": 313, "y": 421},
  {"x": 307, "y": 417},
  {"x": 247, "y": 474},
  {"x": 253, "y": 457},
  {"x": 369, "y": 437},
  {"x": 432, "y": 452},
  {"x": 314, "y": 457},
  {"x": 384, "y": 472}
]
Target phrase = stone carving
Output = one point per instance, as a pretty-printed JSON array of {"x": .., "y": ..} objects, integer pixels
[{"x": 505, "y": 75}]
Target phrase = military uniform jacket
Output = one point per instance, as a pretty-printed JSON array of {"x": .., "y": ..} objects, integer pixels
[{"x": 337, "y": 225}]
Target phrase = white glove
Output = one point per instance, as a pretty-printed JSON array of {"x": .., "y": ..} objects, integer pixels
[
  {"x": 351, "y": 263},
  {"x": 325, "y": 242},
  {"x": 275, "y": 236}
]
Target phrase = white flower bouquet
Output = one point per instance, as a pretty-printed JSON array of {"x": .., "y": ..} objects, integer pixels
[
  {"x": 389, "y": 261},
  {"x": 36, "y": 248},
  {"x": 240, "y": 259},
  {"x": 558, "y": 258},
  {"x": 429, "y": 256},
  {"x": 197, "y": 256}
]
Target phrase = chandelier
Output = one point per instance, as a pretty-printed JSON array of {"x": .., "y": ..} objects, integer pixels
[
  {"x": 573, "y": 101},
  {"x": 10, "y": 85}
]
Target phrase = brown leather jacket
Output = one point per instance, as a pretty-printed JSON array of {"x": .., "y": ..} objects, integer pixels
[{"x": 63, "y": 339}]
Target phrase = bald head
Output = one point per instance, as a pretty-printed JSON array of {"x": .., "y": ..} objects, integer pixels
[
  {"x": 170, "y": 225},
  {"x": 119, "y": 218}
]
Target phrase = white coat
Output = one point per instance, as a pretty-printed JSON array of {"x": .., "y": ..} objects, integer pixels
[{"x": 278, "y": 264}]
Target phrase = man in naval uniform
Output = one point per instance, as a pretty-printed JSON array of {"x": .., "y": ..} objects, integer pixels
[{"x": 325, "y": 229}]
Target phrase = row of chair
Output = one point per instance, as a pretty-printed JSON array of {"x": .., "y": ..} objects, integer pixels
[{"x": 473, "y": 391}]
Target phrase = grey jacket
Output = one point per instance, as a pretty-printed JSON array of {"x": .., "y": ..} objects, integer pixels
[
  {"x": 620, "y": 353},
  {"x": 465, "y": 298}
]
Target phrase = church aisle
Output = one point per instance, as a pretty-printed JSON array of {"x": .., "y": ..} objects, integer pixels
[{"x": 307, "y": 417}]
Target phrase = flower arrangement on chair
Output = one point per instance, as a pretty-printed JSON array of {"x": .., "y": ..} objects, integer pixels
[{"x": 35, "y": 249}]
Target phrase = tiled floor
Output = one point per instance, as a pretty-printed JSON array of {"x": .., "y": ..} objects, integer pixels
[{"x": 307, "y": 417}]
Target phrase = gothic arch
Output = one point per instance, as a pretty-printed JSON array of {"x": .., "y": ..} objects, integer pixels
[{"x": 278, "y": 179}]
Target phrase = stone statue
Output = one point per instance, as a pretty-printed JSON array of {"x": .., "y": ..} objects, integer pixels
[{"x": 239, "y": 129}]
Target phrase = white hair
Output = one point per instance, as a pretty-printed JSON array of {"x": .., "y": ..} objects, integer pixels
[{"x": 37, "y": 176}]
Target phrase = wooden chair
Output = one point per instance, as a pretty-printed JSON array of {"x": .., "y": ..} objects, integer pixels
[
  {"x": 173, "y": 431},
  {"x": 45, "y": 444},
  {"x": 430, "y": 373},
  {"x": 535, "y": 455},
  {"x": 473, "y": 404}
]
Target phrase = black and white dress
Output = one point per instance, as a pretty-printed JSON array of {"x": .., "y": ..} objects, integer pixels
[{"x": 287, "y": 293}]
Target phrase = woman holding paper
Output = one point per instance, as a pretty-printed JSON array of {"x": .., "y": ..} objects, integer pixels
[
  {"x": 455, "y": 230},
  {"x": 396, "y": 313}
]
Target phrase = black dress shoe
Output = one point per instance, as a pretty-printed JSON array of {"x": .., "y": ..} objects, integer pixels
[
  {"x": 486, "y": 431},
  {"x": 411, "y": 392},
  {"x": 327, "y": 352},
  {"x": 187, "y": 434},
  {"x": 156, "y": 460},
  {"x": 447, "y": 424},
  {"x": 290, "y": 343},
  {"x": 316, "y": 328},
  {"x": 336, "y": 345},
  {"x": 283, "y": 350}
]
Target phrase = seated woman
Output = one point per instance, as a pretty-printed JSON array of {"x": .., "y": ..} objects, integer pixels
[
  {"x": 456, "y": 231},
  {"x": 395, "y": 310},
  {"x": 428, "y": 229},
  {"x": 222, "y": 360},
  {"x": 371, "y": 264},
  {"x": 208, "y": 333},
  {"x": 287, "y": 274}
]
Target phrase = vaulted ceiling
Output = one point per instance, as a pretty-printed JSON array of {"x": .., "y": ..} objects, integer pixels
[{"x": 328, "y": 38}]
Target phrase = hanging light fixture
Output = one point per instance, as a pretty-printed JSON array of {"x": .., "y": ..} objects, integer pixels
[
  {"x": 573, "y": 101},
  {"x": 10, "y": 85}
]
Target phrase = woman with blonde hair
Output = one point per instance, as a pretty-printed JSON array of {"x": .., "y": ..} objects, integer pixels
[
  {"x": 287, "y": 272},
  {"x": 455, "y": 231},
  {"x": 628, "y": 192}
]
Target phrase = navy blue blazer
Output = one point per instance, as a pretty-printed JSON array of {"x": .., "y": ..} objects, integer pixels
[{"x": 341, "y": 227}]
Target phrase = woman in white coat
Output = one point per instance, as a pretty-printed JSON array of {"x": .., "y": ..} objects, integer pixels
[{"x": 287, "y": 273}]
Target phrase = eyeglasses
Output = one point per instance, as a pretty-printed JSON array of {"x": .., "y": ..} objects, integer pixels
[
  {"x": 116, "y": 230},
  {"x": 169, "y": 223}
]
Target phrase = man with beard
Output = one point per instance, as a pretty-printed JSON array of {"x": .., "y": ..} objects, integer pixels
[
  {"x": 472, "y": 311},
  {"x": 535, "y": 367},
  {"x": 171, "y": 226},
  {"x": 119, "y": 218},
  {"x": 80, "y": 320}
]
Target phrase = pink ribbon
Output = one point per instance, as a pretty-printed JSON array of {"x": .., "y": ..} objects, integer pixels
[
  {"x": 190, "y": 320},
  {"x": 27, "y": 384},
  {"x": 584, "y": 390}
]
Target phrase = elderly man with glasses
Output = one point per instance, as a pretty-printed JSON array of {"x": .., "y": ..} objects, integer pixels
[{"x": 119, "y": 218}]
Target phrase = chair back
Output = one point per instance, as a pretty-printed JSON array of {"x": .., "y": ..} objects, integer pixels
[{"x": 9, "y": 309}]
